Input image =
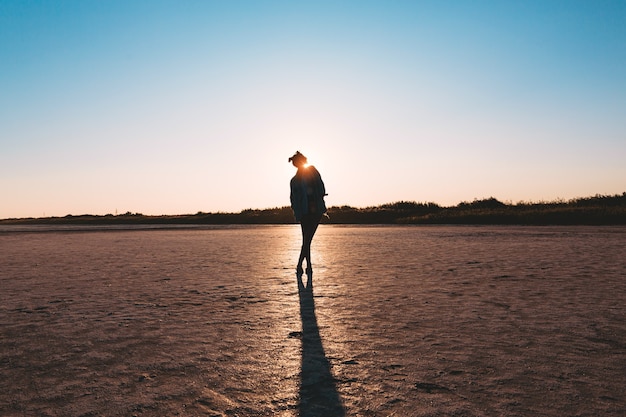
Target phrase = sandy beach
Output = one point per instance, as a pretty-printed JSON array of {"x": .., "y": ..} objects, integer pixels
[{"x": 397, "y": 321}]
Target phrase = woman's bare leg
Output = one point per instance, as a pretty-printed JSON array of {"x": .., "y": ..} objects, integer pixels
[{"x": 309, "y": 227}]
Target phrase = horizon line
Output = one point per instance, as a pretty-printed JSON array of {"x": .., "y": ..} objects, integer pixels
[{"x": 506, "y": 202}]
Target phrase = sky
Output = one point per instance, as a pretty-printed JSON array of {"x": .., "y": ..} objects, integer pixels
[{"x": 175, "y": 107}]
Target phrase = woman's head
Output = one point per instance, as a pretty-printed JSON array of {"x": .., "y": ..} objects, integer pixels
[{"x": 298, "y": 160}]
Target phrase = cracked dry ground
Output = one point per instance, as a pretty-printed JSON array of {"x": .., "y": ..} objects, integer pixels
[{"x": 399, "y": 321}]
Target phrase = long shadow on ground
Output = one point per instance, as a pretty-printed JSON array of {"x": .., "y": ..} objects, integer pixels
[{"x": 318, "y": 391}]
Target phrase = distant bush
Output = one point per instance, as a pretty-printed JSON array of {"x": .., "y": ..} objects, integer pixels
[{"x": 490, "y": 203}]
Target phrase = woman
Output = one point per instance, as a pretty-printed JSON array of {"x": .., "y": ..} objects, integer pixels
[{"x": 307, "y": 202}]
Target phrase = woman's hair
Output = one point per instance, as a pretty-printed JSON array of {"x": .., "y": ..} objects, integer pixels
[{"x": 297, "y": 157}]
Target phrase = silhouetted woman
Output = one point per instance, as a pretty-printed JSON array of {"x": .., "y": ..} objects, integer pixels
[{"x": 307, "y": 202}]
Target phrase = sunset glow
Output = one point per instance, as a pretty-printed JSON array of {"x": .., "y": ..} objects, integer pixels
[{"x": 174, "y": 108}]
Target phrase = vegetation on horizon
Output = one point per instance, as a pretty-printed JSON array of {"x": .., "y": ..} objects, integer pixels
[{"x": 597, "y": 210}]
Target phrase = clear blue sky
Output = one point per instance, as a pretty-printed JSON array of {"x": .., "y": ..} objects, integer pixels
[{"x": 174, "y": 107}]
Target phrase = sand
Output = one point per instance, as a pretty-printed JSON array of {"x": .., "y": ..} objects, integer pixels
[{"x": 397, "y": 321}]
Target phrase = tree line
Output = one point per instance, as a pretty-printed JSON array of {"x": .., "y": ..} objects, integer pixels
[{"x": 596, "y": 210}]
